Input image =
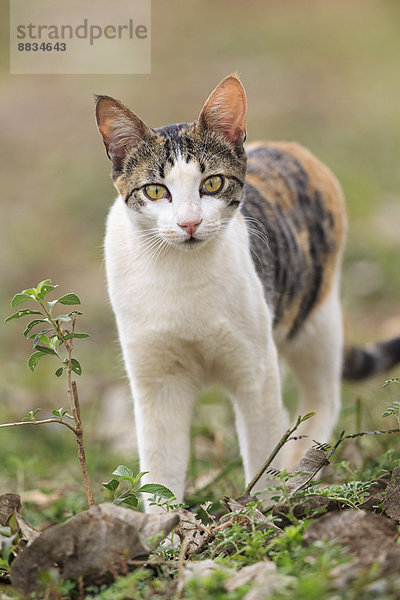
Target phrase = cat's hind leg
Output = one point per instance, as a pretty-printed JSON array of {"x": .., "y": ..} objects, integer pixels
[{"x": 315, "y": 356}]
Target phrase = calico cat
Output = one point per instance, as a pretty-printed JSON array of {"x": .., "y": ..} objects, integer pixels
[{"x": 218, "y": 255}]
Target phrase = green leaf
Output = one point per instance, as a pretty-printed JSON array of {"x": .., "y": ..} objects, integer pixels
[
  {"x": 306, "y": 417},
  {"x": 32, "y": 324},
  {"x": 46, "y": 350},
  {"x": 45, "y": 339},
  {"x": 392, "y": 380},
  {"x": 76, "y": 367},
  {"x": 393, "y": 409},
  {"x": 19, "y": 298},
  {"x": 38, "y": 336},
  {"x": 76, "y": 335},
  {"x": 156, "y": 488},
  {"x": 69, "y": 299},
  {"x": 111, "y": 485},
  {"x": 31, "y": 415},
  {"x": 23, "y": 313},
  {"x": 138, "y": 477},
  {"x": 30, "y": 291},
  {"x": 130, "y": 499},
  {"x": 60, "y": 413},
  {"x": 44, "y": 288},
  {"x": 59, "y": 372},
  {"x": 34, "y": 359},
  {"x": 123, "y": 472},
  {"x": 63, "y": 318}
]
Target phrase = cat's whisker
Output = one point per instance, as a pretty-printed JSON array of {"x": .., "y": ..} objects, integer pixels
[
  {"x": 253, "y": 231},
  {"x": 147, "y": 248},
  {"x": 159, "y": 250},
  {"x": 256, "y": 225}
]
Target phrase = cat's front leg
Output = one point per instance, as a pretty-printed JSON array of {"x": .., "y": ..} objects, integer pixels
[
  {"x": 261, "y": 418},
  {"x": 163, "y": 411}
]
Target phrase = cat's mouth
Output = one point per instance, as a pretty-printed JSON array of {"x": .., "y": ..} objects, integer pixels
[{"x": 192, "y": 241}]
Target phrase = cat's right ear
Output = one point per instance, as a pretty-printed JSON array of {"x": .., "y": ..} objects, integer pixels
[{"x": 120, "y": 128}]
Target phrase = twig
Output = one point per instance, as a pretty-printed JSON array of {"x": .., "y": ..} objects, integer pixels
[
  {"x": 76, "y": 412},
  {"x": 181, "y": 566},
  {"x": 337, "y": 444},
  {"x": 81, "y": 447},
  {"x": 376, "y": 432},
  {"x": 143, "y": 563},
  {"x": 271, "y": 457},
  {"x": 41, "y": 422}
]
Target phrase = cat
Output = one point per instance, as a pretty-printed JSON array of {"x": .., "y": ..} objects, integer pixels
[{"x": 219, "y": 255}]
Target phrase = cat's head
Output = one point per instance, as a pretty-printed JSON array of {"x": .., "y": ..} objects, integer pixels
[{"x": 182, "y": 183}]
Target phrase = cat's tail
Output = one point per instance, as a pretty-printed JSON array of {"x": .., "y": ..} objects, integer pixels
[{"x": 360, "y": 363}]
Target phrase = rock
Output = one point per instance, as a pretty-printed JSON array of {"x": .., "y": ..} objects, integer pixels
[
  {"x": 367, "y": 536},
  {"x": 95, "y": 545},
  {"x": 391, "y": 502}
]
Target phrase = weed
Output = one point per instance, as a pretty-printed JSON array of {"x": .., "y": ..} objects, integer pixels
[
  {"x": 55, "y": 340},
  {"x": 162, "y": 496}
]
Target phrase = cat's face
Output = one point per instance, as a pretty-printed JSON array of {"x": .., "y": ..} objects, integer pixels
[{"x": 182, "y": 183}]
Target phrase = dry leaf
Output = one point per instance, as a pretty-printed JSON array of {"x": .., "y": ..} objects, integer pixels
[
  {"x": 95, "y": 545},
  {"x": 313, "y": 460},
  {"x": 192, "y": 532},
  {"x": 10, "y": 504},
  {"x": 255, "y": 518}
]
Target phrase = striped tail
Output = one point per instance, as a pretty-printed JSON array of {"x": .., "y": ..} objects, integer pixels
[{"x": 360, "y": 363}]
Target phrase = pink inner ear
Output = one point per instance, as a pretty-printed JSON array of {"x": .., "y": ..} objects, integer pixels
[{"x": 225, "y": 110}]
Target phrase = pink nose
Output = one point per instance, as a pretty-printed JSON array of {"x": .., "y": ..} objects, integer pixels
[{"x": 190, "y": 226}]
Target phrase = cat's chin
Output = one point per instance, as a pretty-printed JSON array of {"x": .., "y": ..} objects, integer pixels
[{"x": 191, "y": 244}]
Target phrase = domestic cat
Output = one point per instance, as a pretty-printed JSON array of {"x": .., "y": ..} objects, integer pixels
[{"x": 219, "y": 255}]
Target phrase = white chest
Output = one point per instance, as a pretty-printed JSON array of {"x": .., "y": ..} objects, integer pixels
[{"x": 205, "y": 307}]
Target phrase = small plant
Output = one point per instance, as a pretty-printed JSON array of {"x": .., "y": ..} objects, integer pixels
[
  {"x": 8, "y": 547},
  {"x": 351, "y": 493},
  {"x": 55, "y": 337},
  {"x": 390, "y": 381},
  {"x": 393, "y": 411},
  {"x": 130, "y": 496}
]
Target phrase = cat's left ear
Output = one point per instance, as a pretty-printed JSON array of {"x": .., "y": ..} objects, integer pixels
[{"x": 225, "y": 110}]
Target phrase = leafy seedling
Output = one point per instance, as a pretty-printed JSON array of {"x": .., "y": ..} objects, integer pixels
[
  {"x": 54, "y": 335},
  {"x": 131, "y": 495}
]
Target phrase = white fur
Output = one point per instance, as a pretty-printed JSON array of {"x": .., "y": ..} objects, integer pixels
[{"x": 187, "y": 319}]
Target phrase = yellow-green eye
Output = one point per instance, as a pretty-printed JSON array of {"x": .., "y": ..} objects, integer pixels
[
  {"x": 212, "y": 184},
  {"x": 156, "y": 191}
]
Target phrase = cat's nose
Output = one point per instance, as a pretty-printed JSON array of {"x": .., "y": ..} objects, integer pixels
[{"x": 190, "y": 226}]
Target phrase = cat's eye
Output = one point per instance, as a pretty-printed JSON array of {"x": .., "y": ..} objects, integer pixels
[
  {"x": 155, "y": 191},
  {"x": 212, "y": 184}
]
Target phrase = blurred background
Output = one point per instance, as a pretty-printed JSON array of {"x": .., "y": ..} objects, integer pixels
[{"x": 325, "y": 74}]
